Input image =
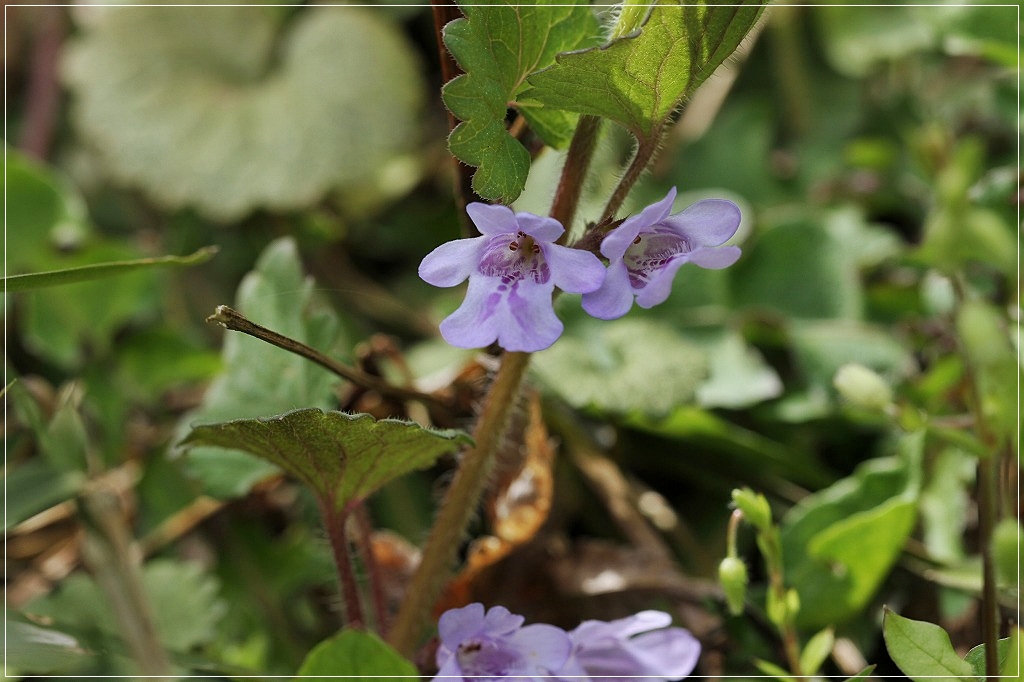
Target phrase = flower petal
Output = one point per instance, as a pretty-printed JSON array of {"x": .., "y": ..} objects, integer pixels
[
  {"x": 476, "y": 322},
  {"x": 714, "y": 258},
  {"x": 452, "y": 262},
  {"x": 541, "y": 228},
  {"x": 706, "y": 223},
  {"x": 545, "y": 647},
  {"x": 573, "y": 270},
  {"x": 659, "y": 286},
  {"x": 501, "y": 621},
  {"x": 492, "y": 219},
  {"x": 527, "y": 320},
  {"x": 619, "y": 239},
  {"x": 447, "y": 663},
  {"x": 455, "y": 625},
  {"x": 670, "y": 653},
  {"x": 614, "y": 298}
]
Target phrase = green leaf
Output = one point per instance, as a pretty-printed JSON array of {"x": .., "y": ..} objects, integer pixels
[
  {"x": 1009, "y": 656},
  {"x": 259, "y": 379},
  {"x": 816, "y": 651},
  {"x": 230, "y": 109},
  {"x": 186, "y": 605},
  {"x": 863, "y": 674},
  {"x": 639, "y": 80},
  {"x": 32, "y": 649},
  {"x": 839, "y": 544},
  {"x": 37, "y": 280},
  {"x": 343, "y": 457},
  {"x": 355, "y": 655},
  {"x": 772, "y": 670},
  {"x": 498, "y": 46},
  {"x": 922, "y": 650},
  {"x": 739, "y": 376},
  {"x": 600, "y": 365}
]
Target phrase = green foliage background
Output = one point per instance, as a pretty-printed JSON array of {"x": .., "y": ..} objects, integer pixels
[{"x": 873, "y": 151}]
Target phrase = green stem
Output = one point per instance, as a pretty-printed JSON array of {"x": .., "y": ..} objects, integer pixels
[
  {"x": 459, "y": 505},
  {"x": 987, "y": 480},
  {"x": 334, "y": 523},
  {"x": 771, "y": 547}
]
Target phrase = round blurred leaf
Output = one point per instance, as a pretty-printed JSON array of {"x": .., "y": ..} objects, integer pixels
[{"x": 230, "y": 109}]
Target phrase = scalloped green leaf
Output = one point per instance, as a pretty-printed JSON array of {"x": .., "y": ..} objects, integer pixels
[
  {"x": 640, "y": 79},
  {"x": 355, "y": 655},
  {"x": 922, "y": 650},
  {"x": 235, "y": 108},
  {"x": 343, "y": 457},
  {"x": 498, "y": 46},
  {"x": 259, "y": 379}
]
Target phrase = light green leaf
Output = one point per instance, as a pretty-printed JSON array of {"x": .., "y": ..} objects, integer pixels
[
  {"x": 922, "y": 650},
  {"x": 1009, "y": 656},
  {"x": 739, "y": 376},
  {"x": 259, "y": 379},
  {"x": 230, "y": 109},
  {"x": 639, "y": 80},
  {"x": 601, "y": 365},
  {"x": 344, "y": 458},
  {"x": 32, "y": 649},
  {"x": 839, "y": 544},
  {"x": 945, "y": 503},
  {"x": 498, "y": 46},
  {"x": 772, "y": 670},
  {"x": 354, "y": 655},
  {"x": 38, "y": 280},
  {"x": 816, "y": 651}
]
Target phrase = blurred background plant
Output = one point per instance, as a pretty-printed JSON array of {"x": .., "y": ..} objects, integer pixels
[{"x": 858, "y": 367}]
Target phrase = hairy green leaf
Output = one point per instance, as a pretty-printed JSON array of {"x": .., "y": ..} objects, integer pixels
[
  {"x": 498, "y": 46},
  {"x": 640, "y": 79},
  {"x": 355, "y": 655},
  {"x": 343, "y": 457},
  {"x": 259, "y": 379},
  {"x": 922, "y": 650}
]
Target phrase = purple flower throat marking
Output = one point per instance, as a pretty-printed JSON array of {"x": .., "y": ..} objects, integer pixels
[
  {"x": 650, "y": 252},
  {"x": 513, "y": 258}
]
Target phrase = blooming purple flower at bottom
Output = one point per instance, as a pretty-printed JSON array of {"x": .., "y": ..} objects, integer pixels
[
  {"x": 640, "y": 645},
  {"x": 647, "y": 250},
  {"x": 513, "y": 270},
  {"x": 495, "y": 645}
]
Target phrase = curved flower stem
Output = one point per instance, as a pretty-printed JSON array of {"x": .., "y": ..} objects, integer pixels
[
  {"x": 645, "y": 151},
  {"x": 459, "y": 505}
]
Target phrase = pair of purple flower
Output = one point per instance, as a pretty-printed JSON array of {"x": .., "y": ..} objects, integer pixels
[
  {"x": 493, "y": 645},
  {"x": 515, "y": 266}
]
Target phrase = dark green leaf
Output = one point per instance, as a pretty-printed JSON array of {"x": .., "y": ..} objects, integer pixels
[
  {"x": 639, "y": 80},
  {"x": 38, "y": 280},
  {"x": 354, "y": 655},
  {"x": 922, "y": 650},
  {"x": 498, "y": 46},
  {"x": 344, "y": 458},
  {"x": 259, "y": 379}
]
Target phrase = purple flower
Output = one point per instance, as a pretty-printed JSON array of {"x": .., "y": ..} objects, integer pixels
[
  {"x": 495, "y": 645},
  {"x": 640, "y": 645},
  {"x": 646, "y": 250},
  {"x": 513, "y": 270}
]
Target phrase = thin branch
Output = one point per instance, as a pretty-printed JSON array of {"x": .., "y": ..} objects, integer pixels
[{"x": 235, "y": 321}]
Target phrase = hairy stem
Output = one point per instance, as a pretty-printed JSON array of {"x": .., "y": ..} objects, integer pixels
[
  {"x": 364, "y": 542},
  {"x": 645, "y": 151},
  {"x": 459, "y": 505},
  {"x": 577, "y": 162},
  {"x": 334, "y": 523},
  {"x": 235, "y": 321}
]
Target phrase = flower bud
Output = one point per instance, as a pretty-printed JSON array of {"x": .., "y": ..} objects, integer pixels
[
  {"x": 862, "y": 387},
  {"x": 755, "y": 508},
  {"x": 732, "y": 574}
]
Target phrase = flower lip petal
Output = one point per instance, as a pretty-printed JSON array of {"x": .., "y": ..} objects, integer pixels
[
  {"x": 546, "y": 647},
  {"x": 659, "y": 286},
  {"x": 475, "y": 323},
  {"x": 714, "y": 258},
  {"x": 615, "y": 296},
  {"x": 526, "y": 321},
  {"x": 573, "y": 270},
  {"x": 492, "y": 219},
  {"x": 616, "y": 243},
  {"x": 539, "y": 227},
  {"x": 452, "y": 262},
  {"x": 710, "y": 222}
]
